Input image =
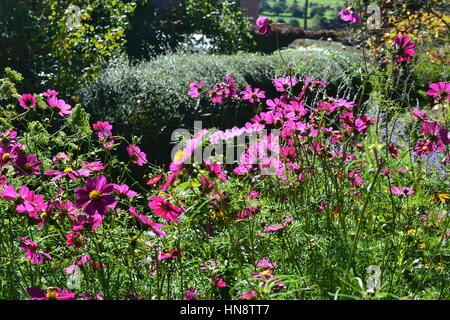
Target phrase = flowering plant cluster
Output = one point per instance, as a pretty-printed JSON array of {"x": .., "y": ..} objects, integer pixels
[{"x": 308, "y": 193}]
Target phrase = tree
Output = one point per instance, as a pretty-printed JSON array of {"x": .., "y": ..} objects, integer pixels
[
  {"x": 295, "y": 9},
  {"x": 277, "y": 8},
  {"x": 294, "y": 23},
  {"x": 305, "y": 21}
]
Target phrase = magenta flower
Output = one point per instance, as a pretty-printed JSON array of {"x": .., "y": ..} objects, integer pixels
[
  {"x": 60, "y": 157},
  {"x": 220, "y": 283},
  {"x": 59, "y": 105},
  {"x": 96, "y": 197},
  {"x": 137, "y": 156},
  {"x": 76, "y": 239},
  {"x": 282, "y": 84},
  {"x": 253, "y": 95},
  {"x": 186, "y": 155},
  {"x": 50, "y": 93},
  {"x": 349, "y": 16},
  {"x": 144, "y": 220},
  {"x": 439, "y": 91},
  {"x": 424, "y": 147},
  {"x": 68, "y": 172},
  {"x": 124, "y": 190},
  {"x": 421, "y": 116},
  {"x": 8, "y": 138},
  {"x": 191, "y": 294},
  {"x": 168, "y": 254},
  {"x": 82, "y": 221},
  {"x": 93, "y": 166},
  {"x": 263, "y": 23},
  {"x": 249, "y": 295},
  {"x": 27, "y": 201},
  {"x": 195, "y": 89},
  {"x": 279, "y": 227},
  {"x": 403, "y": 191},
  {"x": 404, "y": 48},
  {"x": 32, "y": 253},
  {"x": 165, "y": 209},
  {"x": 26, "y": 165},
  {"x": 8, "y": 154},
  {"x": 393, "y": 150},
  {"x": 36, "y": 293},
  {"x": 154, "y": 179},
  {"x": 216, "y": 170},
  {"x": 103, "y": 129},
  {"x": 27, "y": 101}
]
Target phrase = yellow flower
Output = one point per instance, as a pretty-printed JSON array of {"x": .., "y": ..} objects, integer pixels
[{"x": 443, "y": 196}]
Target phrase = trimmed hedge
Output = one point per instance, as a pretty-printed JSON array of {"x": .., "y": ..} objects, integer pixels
[{"x": 150, "y": 99}]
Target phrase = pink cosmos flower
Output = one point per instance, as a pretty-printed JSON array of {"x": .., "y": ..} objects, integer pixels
[
  {"x": 220, "y": 283},
  {"x": 124, "y": 190},
  {"x": 68, "y": 172},
  {"x": 137, "y": 156},
  {"x": 195, "y": 89},
  {"x": 216, "y": 170},
  {"x": 253, "y": 95},
  {"x": 27, "y": 201},
  {"x": 439, "y": 91},
  {"x": 93, "y": 166},
  {"x": 249, "y": 212},
  {"x": 349, "y": 15},
  {"x": 59, "y": 105},
  {"x": 96, "y": 197},
  {"x": 82, "y": 221},
  {"x": 168, "y": 254},
  {"x": 393, "y": 150},
  {"x": 36, "y": 257},
  {"x": 249, "y": 295},
  {"x": 278, "y": 227},
  {"x": 36, "y": 293},
  {"x": 26, "y": 165},
  {"x": 154, "y": 179},
  {"x": 60, "y": 157},
  {"x": 144, "y": 220},
  {"x": 165, "y": 209},
  {"x": 50, "y": 93},
  {"x": 421, "y": 116},
  {"x": 76, "y": 239},
  {"x": 191, "y": 294},
  {"x": 8, "y": 154},
  {"x": 284, "y": 83},
  {"x": 2, "y": 181},
  {"x": 103, "y": 129},
  {"x": 424, "y": 147},
  {"x": 177, "y": 165},
  {"x": 404, "y": 48},
  {"x": 253, "y": 194},
  {"x": 263, "y": 24},
  {"x": 216, "y": 94},
  {"x": 403, "y": 191},
  {"x": 27, "y": 101}
]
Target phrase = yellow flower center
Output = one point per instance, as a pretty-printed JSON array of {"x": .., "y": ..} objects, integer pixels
[
  {"x": 27, "y": 166},
  {"x": 95, "y": 195},
  {"x": 6, "y": 156},
  {"x": 169, "y": 254},
  {"x": 68, "y": 170},
  {"x": 179, "y": 155},
  {"x": 424, "y": 148},
  {"x": 51, "y": 294}
]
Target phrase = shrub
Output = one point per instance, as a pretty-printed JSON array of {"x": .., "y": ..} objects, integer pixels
[{"x": 152, "y": 96}]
